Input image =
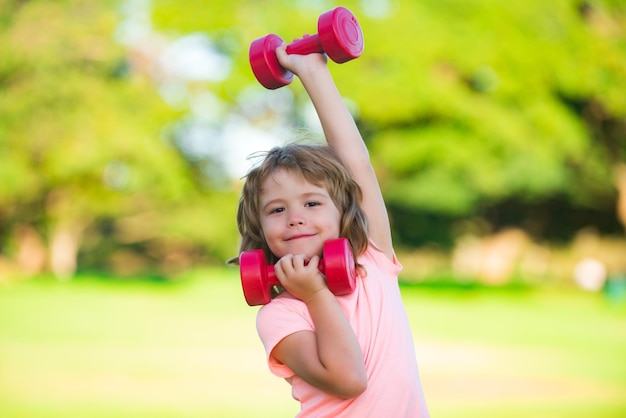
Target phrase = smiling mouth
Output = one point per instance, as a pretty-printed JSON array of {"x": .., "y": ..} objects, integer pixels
[{"x": 296, "y": 237}]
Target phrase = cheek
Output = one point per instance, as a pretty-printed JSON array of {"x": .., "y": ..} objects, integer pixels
[
  {"x": 338, "y": 217},
  {"x": 268, "y": 228},
  {"x": 339, "y": 226}
]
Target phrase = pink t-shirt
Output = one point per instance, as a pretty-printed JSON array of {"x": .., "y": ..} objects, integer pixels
[{"x": 376, "y": 313}]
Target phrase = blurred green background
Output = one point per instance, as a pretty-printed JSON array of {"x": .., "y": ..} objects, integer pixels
[{"x": 498, "y": 130}]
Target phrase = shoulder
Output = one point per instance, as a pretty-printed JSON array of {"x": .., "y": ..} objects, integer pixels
[
  {"x": 283, "y": 315},
  {"x": 374, "y": 256}
]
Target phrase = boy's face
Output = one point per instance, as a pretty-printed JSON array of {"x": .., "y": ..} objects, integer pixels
[{"x": 297, "y": 217}]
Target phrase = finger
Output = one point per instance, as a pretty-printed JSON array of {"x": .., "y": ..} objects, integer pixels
[
  {"x": 285, "y": 264},
  {"x": 299, "y": 259},
  {"x": 314, "y": 261},
  {"x": 281, "y": 51}
]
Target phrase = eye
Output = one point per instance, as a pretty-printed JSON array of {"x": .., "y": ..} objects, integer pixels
[
  {"x": 277, "y": 210},
  {"x": 312, "y": 204}
]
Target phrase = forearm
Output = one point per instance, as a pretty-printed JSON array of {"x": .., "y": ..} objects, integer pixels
[
  {"x": 344, "y": 137},
  {"x": 338, "y": 349},
  {"x": 340, "y": 130}
]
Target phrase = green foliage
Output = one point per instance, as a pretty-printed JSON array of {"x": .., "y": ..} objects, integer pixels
[
  {"x": 484, "y": 96},
  {"x": 468, "y": 103},
  {"x": 81, "y": 135},
  {"x": 464, "y": 105}
]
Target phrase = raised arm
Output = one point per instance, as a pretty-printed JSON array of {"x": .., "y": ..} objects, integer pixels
[{"x": 344, "y": 137}]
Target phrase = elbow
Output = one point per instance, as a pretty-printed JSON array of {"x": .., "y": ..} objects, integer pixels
[
  {"x": 356, "y": 389},
  {"x": 352, "y": 386}
]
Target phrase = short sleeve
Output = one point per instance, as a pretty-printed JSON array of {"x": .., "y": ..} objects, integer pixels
[{"x": 283, "y": 316}]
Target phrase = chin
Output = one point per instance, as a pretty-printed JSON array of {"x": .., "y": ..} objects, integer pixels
[{"x": 307, "y": 250}]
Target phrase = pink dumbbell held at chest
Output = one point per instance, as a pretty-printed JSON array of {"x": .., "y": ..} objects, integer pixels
[
  {"x": 339, "y": 36},
  {"x": 258, "y": 278}
]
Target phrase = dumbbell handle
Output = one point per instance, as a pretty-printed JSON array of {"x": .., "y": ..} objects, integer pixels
[
  {"x": 272, "y": 280},
  {"x": 307, "y": 45}
]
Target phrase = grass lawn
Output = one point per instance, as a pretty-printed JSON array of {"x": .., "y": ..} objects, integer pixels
[{"x": 98, "y": 348}]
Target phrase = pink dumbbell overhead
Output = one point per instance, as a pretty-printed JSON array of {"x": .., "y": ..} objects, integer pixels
[
  {"x": 258, "y": 278},
  {"x": 339, "y": 36}
]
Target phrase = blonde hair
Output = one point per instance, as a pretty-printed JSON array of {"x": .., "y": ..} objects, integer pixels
[{"x": 318, "y": 165}]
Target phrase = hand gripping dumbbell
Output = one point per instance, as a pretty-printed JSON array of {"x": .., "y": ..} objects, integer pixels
[
  {"x": 258, "y": 278},
  {"x": 339, "y": 36}
]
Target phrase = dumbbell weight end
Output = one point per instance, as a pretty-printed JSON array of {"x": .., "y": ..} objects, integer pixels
[
  {"x": 264, "y": 64},
  {"x": 338, "y": 35},
  {"x": 257, "y": 277}
]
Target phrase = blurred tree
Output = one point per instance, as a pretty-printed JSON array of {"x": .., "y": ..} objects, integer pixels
[
  {"x": 84, "y": 165},
  {"x": 508, "y": 106},
  {"x": 511, "y": 112}
]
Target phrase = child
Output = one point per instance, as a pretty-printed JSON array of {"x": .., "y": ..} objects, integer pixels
[{"x": 344, "y": 356}]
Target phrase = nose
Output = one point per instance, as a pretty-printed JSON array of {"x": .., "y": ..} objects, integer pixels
[{"x": 296, "y": 220}]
